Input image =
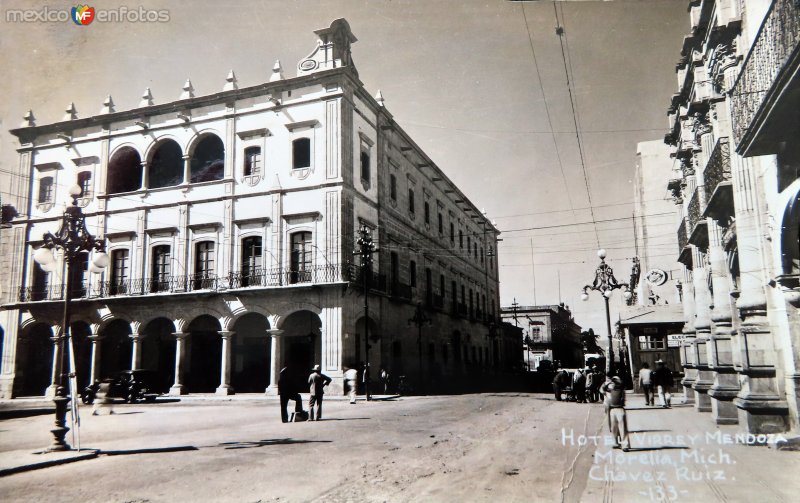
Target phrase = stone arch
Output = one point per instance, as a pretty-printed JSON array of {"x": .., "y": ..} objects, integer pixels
[
  {"x": 207, "y": 153},
  {"x": 158, "y": 350},
  {"x": 251, "y": 353},
  {"x": 203, "y": 354},
  {"x": 164, "y": 164},
  {"x": 34, "y": 368},
  {"x": 116, "y": 347},
  {"x": 295, "y": 307},
  {"x": 301, "y": 340},
  {"x": 124, "y": 171}
]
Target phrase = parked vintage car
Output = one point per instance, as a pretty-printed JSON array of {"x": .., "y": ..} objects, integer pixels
[{"x": 130, "y": 385}]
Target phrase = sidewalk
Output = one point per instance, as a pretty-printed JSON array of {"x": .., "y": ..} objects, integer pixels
[{"x": 679, "y": 454}]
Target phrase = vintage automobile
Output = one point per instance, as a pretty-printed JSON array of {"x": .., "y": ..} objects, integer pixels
[{"x": 130, "y": 385}]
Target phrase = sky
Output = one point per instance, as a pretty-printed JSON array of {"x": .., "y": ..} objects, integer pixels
[{"x": 540, "y": 130}]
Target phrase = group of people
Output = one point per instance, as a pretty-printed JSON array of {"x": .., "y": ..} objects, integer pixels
[
  {"x": 290, "y": 385},
  {"x": 656, "y": 381},
  {"x": 581, "y": 386}
]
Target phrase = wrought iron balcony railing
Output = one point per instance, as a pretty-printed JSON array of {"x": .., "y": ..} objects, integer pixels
[
  {"x": 273, "y": 277},
  {"x": 775, "y": 42},
  {"x": 694, "y": 212},
  {"x": 718, "y": 169},
  {"x": 683, "y": 238}
]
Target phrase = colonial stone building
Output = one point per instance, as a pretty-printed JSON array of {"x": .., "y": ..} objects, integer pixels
[
  {"x": 734, "y": 129},
  {"x": 230, "y": 221},
  {"x": 549, "y": 333}
]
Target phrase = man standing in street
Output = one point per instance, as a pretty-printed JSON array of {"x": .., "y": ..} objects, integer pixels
[
  {"x": 351, "y": 381},
  {"x": 288, "y": 390},
  {"x": 662, "y": 379},
  {"x": 560, "y": 382},
  {"x": 646, "y": 384},
  {"x": 317, "y": 381}
]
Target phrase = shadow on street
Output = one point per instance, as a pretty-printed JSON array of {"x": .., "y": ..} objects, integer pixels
[{"x": 272, "y": 441}]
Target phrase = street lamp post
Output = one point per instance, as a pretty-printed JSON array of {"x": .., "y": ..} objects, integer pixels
[
  {"x": 605, "y": 283},
  {"x": 366, "y": 249},
  {"x": 73, "y": 239},
  {"x": 419, "y": 319}
]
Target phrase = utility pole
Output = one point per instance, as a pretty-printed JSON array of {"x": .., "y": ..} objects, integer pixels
[{"x": 365, "y": 250}]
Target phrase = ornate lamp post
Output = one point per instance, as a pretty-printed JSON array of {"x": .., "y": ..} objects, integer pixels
[
  {"x": 419, "y": 319},
  {"x": 366, "y": 249},
  {"x": 606, "y": 283},
  {"x": 73, "y": 238}
]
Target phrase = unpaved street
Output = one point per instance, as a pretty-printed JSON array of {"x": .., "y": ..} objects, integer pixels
[{"x": 487, "y": 447}]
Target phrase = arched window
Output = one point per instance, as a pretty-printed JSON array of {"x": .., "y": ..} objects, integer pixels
[
  {"x": 301, "y": 153},
  {"x": 252, "y": 261},
  {"x": 301, "y": 258},
  {"x": 124, "y": 171},
  {"x": 165, "y": 168},
  {"x": 208, "y": 160}
]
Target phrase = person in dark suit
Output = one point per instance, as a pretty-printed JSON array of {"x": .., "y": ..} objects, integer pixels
[{"x": 288, "y": 389}]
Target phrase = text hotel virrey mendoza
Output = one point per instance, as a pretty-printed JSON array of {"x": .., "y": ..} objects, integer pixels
[{"x": 84, "y": 15}]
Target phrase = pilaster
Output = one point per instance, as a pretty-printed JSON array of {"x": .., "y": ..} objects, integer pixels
[
  {"x": 180, "y": 354},
  {"x": 274, "y": 363}
]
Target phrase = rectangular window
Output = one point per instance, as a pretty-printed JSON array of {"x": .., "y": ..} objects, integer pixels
[
  {"x": 301, "y": 153},
  {"x": 649, "y": 342},
  {"x": 204, "y": 265},
  {"x": 78, "y": 272},
  {"x": 365, "y": 171},
  {"x": 393, "y": 187},
  {"x": 460, "y": 239},
  {"x": 412, "y": 272},
  {"x": 411, "y": 205},
  {"x": 119, "y": 271},
  {"x": 441, "y": 224},
  {"x": 85, "y": 183},
  {"x": 252, "y": 161},
  {"x": 469, "y": 245},
  {"x": 46, "y": 189},
  {"x": 452, "y": 233},
  {"x": 40, "y": 284},
  {"x": 427, "y": 213},
  {"x": 160, "y": 269},
  {"x": 301, "y": 258},
  {"x": 251, "y": 261},
  {"x": 441, "y": 285}
]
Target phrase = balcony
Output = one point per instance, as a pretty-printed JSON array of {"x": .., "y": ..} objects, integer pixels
[
  {"x": 684, "y": 252},
  {"x": 764, "y": 98},
  {"x": 698, "y": 227},
  {"x": 717, "y": 182},
  {"x": 264, "y": 278},
  {"x": 401, "y": 291}
]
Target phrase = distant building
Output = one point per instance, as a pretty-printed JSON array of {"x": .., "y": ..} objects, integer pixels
[
  {"x": 231, "y": 221},
  {"x": 549, "y": 333},
  {"x": 651, "y": 325}
]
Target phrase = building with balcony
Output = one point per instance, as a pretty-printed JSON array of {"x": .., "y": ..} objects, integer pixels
[
  {"x": 549, "y": 333},
  {"x": 732, "y": 128},
  {"x": 230, "y": 221}
]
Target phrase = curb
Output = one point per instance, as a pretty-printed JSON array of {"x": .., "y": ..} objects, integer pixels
[{"x": 71, "y": 457}]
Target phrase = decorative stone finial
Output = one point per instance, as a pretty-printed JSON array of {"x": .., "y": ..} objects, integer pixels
[
  {"x": 108, "y": 106},
  {"x": 332, "y": 51},
  {"x": 379, "y": 97},
  {"x": 28, "y": 120},
  {"x": 147, "y": 98},
  {"x": 188, "y": 90},
  {"x": 71, "y": 114},
  {"x": 277, "y": 72},
  {"x": 230, "y": 82}
]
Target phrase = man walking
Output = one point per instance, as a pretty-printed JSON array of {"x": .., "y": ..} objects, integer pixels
[
  {"x": 288, "y": 390},
  {"x": 662, "y": 379},
  {"x": 646, "y": 384},
  {"x": 317, "y": 381},
  {"x": 614, "y": 392},
  {"x": 351, "y": 381}
]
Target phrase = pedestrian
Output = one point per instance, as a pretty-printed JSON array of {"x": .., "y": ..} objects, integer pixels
[
  {"x": 560, "y": 382},
  {"x": 317, "y": 381},
  {"x": 101, "y": 399},
  {"x": 351, "y": 382},
  {"x": 589, "y": 386},
  {"x": 288, "y": 389},
  {"x": 646, "y": 383},
  {"x": 385, "y": 380},
  {"x": 614, "y": 392},
  {"x": 662, "y": 380},
  {"x": 579, "y": 386}
]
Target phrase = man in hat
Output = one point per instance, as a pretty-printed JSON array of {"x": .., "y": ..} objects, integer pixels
[
  {"x": 317, "y": 381},
  {"x": 662, "y": 380},
  {"x": 614, "y": 392}
]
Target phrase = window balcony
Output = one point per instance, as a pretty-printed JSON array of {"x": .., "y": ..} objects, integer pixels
[
  {"x": 764, "y": 99},
  {"x": 684, "y": 252},
  {"x": 717, "y": 181}
]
